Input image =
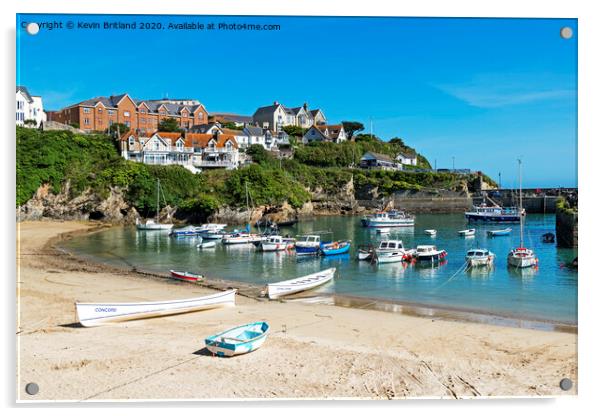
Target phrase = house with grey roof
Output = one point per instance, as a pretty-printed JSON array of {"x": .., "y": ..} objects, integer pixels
[
  {"x": 276, "y": 116},
  {"x": 407, "y": 158},
  {"x": 373, "y": 160},
  {"x": 334, "y": 133},
  {"x": 29, "y": 108}
]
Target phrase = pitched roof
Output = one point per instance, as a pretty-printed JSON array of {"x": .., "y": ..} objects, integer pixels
[
  {"x": 267, "y": 110},
  {"x": 379, "y": 156},
  {"x": 25, "y": 92},
  {"x": 168, "y": 135},
  {"x": 232, "y": 117},
  {"x": 254, "y": 130},
  {"x": 232, "y": 132},
  {"x": 202, "y": 140},
  {"x": 314, "y": 112},
  {"x": 407, "y": 155}
]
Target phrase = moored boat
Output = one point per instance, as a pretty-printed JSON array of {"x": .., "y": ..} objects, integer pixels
[
  {"x": 495, "y": 213},
  {"x": 239, "y": 340},
  {"x": 548, "y": 238},
  {"x": 154, "y": 225},
  {"x": 479, "y": 257},
  {"x": 95, "y": 314},
  {"x": 431, "y": 232},
  {"x": 187, "y": 276},
  {"x": 307, "y": 244},
  {"x": 499, "y": 233},
  {"x": 365, "y": 252},
  {"x": 429, "y": 253},
  {"x": 383, "y": 230},
  {"x": 335, "y": 247},
  {"x": 388, "y": 219},
  {"x": 240, "y": 238},
  {"x": 188, "y": 231},
  {"x": 206, "y": 245},
  {"x": 276, "y": 243},
  {"x": 391, "y": 251},
  {"x": 467, "y": 233},
  {"x": 299, "y": 284}
]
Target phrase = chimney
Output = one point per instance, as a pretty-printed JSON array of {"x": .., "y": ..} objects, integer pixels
[
  {"x": 305, "y": 106},
  {"x": 276, "y": 103}
]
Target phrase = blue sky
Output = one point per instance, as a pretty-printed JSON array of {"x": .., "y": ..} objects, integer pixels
[{"x": 475, "y": 92}]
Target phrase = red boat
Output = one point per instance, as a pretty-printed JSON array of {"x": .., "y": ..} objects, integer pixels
[{"x": 189, "y": 277}]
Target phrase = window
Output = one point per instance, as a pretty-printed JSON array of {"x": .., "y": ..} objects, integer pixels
[
  {"x": 131, "y": 142},
  {"x": 127, "y": 123},
  {"x": 86, "y": 111},
  {"x": 111, "y": 112},
  {"x": 99, "y": 110},
  {"x": 126, "y": 113},
  {"x": 86, "y": 120}
]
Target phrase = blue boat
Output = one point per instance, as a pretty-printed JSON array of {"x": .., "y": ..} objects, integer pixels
[
  {"x": 239, "y": 340},
  {"x": 189, "y": 231},
  {"x": 494, "y": 214},
  {"x": 497, "y": 233},
  {"x": 308, "y": 245},
  {"x": 335, "y": 247}
]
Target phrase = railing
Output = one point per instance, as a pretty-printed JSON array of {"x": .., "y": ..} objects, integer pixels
[{"x": 215, "y": 164}]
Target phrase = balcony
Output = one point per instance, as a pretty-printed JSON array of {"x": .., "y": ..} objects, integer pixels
[{"x": 215, "y": 164}]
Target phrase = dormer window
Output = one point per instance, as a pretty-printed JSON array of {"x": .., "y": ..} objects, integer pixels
[
  {"x": 229, "y": 147},
  {"x": 131, "y": 142}
]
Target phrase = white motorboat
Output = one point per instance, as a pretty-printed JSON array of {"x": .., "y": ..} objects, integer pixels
[
  {"x": 389, "y": 219},
  {"x": 300, "y": 284},
  {"x": 206, "y": 244},
  {"x": 467, "y": 233},
  {"x": 240, "y": 238},
  {"x": 431, "y": 232},
  {"x": 429, "y": 253},
  {"x": 479, "y": 257},
  {"x": 383, "y": 230},
  {"x": 95, "y": 314},
  {"x": 276, "y": 243},
  {"x": 391, "y": 251}
]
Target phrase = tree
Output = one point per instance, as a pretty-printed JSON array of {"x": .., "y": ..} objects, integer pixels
[
  {"x": 169, "y": 125},
  {"x": 352, "y": 127},
  {"x": 258, "y": 154},
  {"x": 117, "y": 129},
  {"x": 231, "y": 125},
  {"x": 294, "y": 131},
  {"x": 366, "y": 138},
  {"x": 397, "y": 141}
]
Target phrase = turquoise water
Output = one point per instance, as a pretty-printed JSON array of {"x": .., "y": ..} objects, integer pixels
[{"x": 548, "y": 293}]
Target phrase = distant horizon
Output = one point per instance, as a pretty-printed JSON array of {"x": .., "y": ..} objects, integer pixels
[{"x": 474, "y": 93}]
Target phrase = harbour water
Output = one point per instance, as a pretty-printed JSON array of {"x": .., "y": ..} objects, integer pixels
[{"x": 548, "y": 293}]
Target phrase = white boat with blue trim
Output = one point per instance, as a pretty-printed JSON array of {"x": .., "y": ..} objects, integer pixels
[
  {"x": 96, "y": 314},
  {"x": 240, "y": 340},
  {"x": 385, "y": 219},
  {"x": 300, "y": 284}
]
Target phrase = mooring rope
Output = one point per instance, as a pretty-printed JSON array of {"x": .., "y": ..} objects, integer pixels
[{"x": 462, "y": 268}]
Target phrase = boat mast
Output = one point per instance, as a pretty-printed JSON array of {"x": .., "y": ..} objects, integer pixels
[
  {"x": 520, "y": 201},
  {"x": 157, "y": 214}
]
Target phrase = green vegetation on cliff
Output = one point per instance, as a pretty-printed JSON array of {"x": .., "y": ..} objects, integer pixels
[{"x": 93, "y": 162}]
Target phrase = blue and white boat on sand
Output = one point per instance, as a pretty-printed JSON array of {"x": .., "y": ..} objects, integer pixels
[
  {"x": 239, "y": 340},
  {"x": 336, "y": 247}
]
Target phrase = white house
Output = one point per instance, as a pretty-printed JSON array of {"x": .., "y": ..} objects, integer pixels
[
  {"x": 407, "y": 159},
  {"x": 334, "y": 133},
  {"x": 29, "y": 107},
  {"x": 276, "y": 116}
]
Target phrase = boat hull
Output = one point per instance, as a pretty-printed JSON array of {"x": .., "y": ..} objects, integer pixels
[
  {"x": 307, "y": 250},
  {"x": 239, "y": 340},
  {"x": 521, "y": 262},
  {"x": 96, "y": 314},
  {"x": 372, "y": 223},
  {"x": 492, "y": 218},
  {"x": 188, "y": 277},
  {"x": 499, "y": 233},
  {"x": 342, "y": 249},
  {"x": 154, "y": 227},
  {"x": 289, "y": 287}
]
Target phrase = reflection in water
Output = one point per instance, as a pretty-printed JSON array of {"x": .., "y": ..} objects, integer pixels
[
  {"x": 547, "y": 293},
  {"x": 525, "y": 273}
]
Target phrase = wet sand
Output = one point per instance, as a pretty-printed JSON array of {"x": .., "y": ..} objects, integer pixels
[{"x": 313, "y": 350}]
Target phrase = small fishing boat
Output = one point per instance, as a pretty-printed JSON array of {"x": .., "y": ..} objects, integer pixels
[
  {"x": 95, "y": 314},
  {"x": 240, "y": 238},
  {"x": 494, "y": 214},
  {"x": 391, "y": 251},
  {"x": 429, "y": 253},
  {"x": 548, "y": 238},
  {"x": 335, "y": 247},
  {"x": 213, "y": 234},
  {"x": 383, "y": 230},
  {"x": 276, "y": 243},
  {"x": 240, "y": 340},
  {"x": 479, "y": 257},
  {"x": 389, "y": 219},
  {"x": 206, "y": 245},
  {"x": 498, "y": 233},
  {"x": 300, "y": 284},
  {"x": 467, "y": 233},
  {"x": 189, "y": 277},
  {"x": 307, "y": 245},
  {"x": 431, "y": 232}
]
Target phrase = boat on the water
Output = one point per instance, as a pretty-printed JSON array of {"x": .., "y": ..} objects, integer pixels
[
  {"x": 391, "y": 251},
  {"x": 308, "y": 245},
  {"x": 95, "y": 314},
  {"x": 240, "y": 340},
  {"x": 335, "y": 247},
  {"x": 206, "y": 244},
  {"x": 494, "y": 213},
  {"x": 521, "y": 257},
  {"x": 548, "y": 238},
  {"x": 499, "y": 233},
  {"x": 383, "y": 230},
  {"x": 276, "y": 243},
  {"x": 240, "y": 238},
  {"x": 479, "y": 257},
  {"x": 188, "y": 231},
  {"x": 467, "y": 233},
  {"x": 431, "y": 232},
  {"x": 365, "y": 252},
  {"x": 187, "y": 276},
  {"x": 299, "y": 284},
  {"x": 429, "y": 253},
  {"x": 388, "y": 219},
  {"x": 154, "y": 225}
]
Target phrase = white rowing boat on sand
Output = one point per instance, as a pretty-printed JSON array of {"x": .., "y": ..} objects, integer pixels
[
  {"x": 95, "y": 314},
  {"x": 240, "y": 340},
  {"x": 300, "y": 284}
]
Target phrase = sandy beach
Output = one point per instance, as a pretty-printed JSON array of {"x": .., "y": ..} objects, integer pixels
[{"x": 313, "y": 350}]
